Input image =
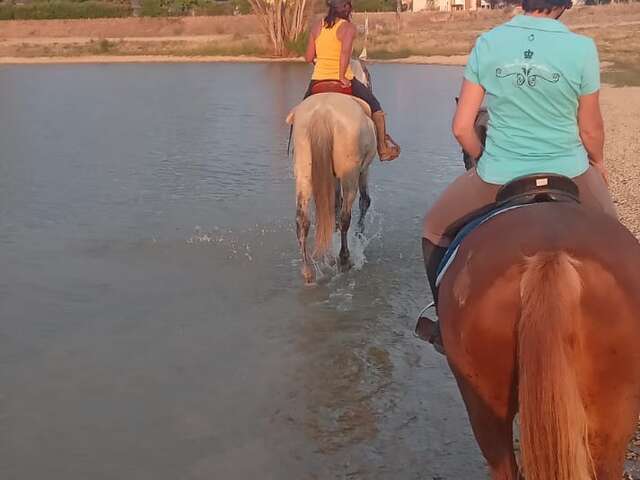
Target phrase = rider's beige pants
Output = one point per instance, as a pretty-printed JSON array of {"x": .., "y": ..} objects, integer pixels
[{"x": 469, "y": 193}]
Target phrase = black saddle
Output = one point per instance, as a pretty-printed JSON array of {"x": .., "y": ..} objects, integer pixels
[
  {"x": 543, "y": 187},
  {"x": 521, "y": 191}
]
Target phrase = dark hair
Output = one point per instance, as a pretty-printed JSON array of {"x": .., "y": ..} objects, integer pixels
[
  {"x": 544, "y": 6},
  {"x": 337, "y": 10}
]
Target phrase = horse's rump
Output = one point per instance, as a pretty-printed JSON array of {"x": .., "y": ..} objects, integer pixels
[
  {"x": 539, "y": 311},
  {"x": 291, "y": 116}
]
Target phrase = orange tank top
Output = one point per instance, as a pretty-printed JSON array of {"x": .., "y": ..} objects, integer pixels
[{"x": 328, "y": 48}]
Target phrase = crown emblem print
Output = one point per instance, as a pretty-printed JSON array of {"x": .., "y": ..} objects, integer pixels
[{"x": 528, "y": 54}]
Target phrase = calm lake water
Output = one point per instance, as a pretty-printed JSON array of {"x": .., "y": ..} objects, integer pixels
[{"x": 153, "y": 321}]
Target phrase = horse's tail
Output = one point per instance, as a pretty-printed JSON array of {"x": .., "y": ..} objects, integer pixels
[
  {"x": 323, "y": 180},
  {"x": 553, "y": 421}
]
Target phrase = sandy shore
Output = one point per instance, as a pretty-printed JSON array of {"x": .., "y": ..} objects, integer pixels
[{"x": 620, "y": 107}]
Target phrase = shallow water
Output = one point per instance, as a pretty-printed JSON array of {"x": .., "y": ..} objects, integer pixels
[{"x": 153, "y": 321}]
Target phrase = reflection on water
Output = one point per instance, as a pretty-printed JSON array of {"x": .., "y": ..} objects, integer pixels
[{"x": 153, "y": 322}]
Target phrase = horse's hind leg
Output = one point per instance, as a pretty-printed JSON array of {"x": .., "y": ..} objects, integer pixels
[
  {"x": 365, "y": 199},
  {"x": 484, "y": 365},
  {"x": 348, "y": 196},
  {"x": 304, "y": 190},
  {"x": 494, "y": 433},
  {"x": 610, "y": 429},
  {"x": 302, "y": 231}
]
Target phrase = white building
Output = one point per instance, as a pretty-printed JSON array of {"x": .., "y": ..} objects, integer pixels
[{"x": 449, "y": 5}]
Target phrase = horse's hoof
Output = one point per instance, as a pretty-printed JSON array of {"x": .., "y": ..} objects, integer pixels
[
  {"x": 345, "y": 264},
  {"x": 309, "y": 275}
]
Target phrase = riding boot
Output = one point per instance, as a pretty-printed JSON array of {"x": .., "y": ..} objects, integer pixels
[
  {"x": 387, "y": 148},
  {"x": 426, "y": 328}
]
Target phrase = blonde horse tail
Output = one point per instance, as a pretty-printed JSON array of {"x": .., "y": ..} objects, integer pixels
[
  {"x": 553, "y": 421},
  {"x": 323, "y": 180}
]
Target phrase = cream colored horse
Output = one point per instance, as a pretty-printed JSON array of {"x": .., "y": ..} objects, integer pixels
[{"x": 334, "y": 141}]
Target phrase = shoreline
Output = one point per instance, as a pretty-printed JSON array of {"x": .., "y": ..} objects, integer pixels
[
  {"x": 422, "y": 38},
  {"x": 453, "y": 60}
]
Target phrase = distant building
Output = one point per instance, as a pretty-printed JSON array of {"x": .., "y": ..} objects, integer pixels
[
  {"x": 449, "y": 5},
  {"x": 418, "y": 5}
]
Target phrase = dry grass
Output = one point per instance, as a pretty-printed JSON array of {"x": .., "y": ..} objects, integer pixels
[{"x": 616, "y": 29}]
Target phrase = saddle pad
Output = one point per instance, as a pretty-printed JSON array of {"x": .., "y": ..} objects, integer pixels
[{"x": 452, "y": 250}]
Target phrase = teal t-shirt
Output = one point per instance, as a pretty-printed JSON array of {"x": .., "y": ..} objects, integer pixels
[{"x": 533, "y": 71}]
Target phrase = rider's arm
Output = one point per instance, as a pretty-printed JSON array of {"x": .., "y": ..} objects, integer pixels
[
  {"x": 310, "y": 54},
  {"x": 346, "y": 35},
  {"x": 471, "y": 96},
  {"x": 591, "y": 128}
]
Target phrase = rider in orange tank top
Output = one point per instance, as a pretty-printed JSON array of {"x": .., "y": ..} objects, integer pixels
[{"x": 330, "y": 47}]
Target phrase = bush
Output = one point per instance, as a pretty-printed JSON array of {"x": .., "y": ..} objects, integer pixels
[
  {"x": 6, "y": 12},
  {"x": 384, "y": 54},
  {"x": 374, "y": 5},
  {"x": 161, "y": 8},
  {"x": 63, "y": 9},
  {"x": 215, "y": 8},
  {"x": 299, "y": 45},
  {"x": 152, "y": 8}
]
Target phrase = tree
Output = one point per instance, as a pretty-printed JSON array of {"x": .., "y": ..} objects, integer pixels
[{"x": 282, "y": 20}]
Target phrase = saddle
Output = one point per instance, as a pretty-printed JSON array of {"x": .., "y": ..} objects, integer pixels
[
  {"x": 520, "y": 192},
  {"x": 330, "y": 86}
]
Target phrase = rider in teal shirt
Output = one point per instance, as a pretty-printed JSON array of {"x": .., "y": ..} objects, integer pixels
[
  {"x": 541, "y": 85},
  {"x": 533, "y": 70}
]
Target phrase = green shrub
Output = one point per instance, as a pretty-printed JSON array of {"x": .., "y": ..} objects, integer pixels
[
  {"x": 374, "y": 5},
  {"x": 61, "y": 9},
  {"x": 214, "y": 8},
  {"x": 299, "y": 45},
  {"x": 6, "y": 12},
  {"x": 159, "y": 8},
  {"x": 152, "y": 8},
  {"x": 384, "y": 54}
]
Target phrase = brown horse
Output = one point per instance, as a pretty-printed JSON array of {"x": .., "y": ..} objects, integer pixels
[{"x": 540, "y": 316}]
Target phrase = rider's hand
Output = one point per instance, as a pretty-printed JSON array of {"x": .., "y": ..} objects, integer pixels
[{"x": 345, "y": 83}]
